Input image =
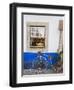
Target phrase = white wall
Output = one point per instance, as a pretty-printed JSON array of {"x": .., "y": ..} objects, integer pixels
[
  {"x": 4, "y": 44},
  {"x": 52, "y": 30}
]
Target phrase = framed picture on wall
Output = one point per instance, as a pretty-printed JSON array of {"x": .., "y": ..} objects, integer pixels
[{"x": 40, "y": 44}]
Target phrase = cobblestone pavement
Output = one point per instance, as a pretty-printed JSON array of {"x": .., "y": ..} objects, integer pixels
[{"x": 33, "y": 71}]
